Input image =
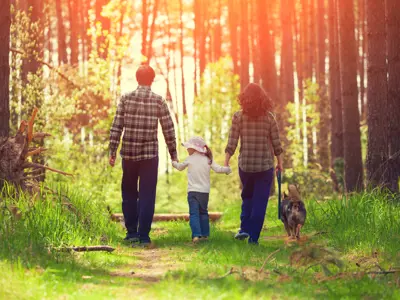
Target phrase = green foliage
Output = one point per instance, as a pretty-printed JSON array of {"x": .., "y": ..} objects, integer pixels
[
  {"x": 303, "y": 119},
  {"x": 359, "y": 222},
  {"x": 49, "y": 220}
]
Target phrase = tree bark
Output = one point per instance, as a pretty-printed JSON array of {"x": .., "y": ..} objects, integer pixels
[
  {"x": 233, "y": 29},
  {"x": 349, "y": 93},
  {"x": 323, "y": 128},
  {"x": 182, "y": 54},
  {"x": 334, "y": 87},
  {"x": 5, "y": 22},
  {"x": 149, "y": 53},
  {"x": 377, "y": 151},
  {"x": 287, "y": 70},
  {"x": 267, "y": 57},
  {"x": 393, "y": 59},
  {"x": 73, "y": 21},
  {"x": 362, "y": 42},
  {"x": 244, "y": 45},
  {"x": 202, "y": 35}
]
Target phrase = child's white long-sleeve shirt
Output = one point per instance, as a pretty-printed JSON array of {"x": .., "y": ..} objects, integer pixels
[{"x": 199, "y": 172}]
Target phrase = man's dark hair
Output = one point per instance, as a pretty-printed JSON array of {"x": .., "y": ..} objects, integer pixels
[{"x": 145, "y": 75}]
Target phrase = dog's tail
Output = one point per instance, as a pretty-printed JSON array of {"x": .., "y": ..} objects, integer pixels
[{"x": 294, "y": 192}]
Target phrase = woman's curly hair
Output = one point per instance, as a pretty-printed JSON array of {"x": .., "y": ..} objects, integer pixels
[{"x": 254, "y": 101}]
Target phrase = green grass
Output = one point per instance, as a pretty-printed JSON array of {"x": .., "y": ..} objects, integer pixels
[{"x": 363, "y": 228}]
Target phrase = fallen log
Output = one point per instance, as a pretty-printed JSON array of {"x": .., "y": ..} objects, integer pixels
[
  {"x": 214, "y": 216},
  {"x": 87, "y": 248}
]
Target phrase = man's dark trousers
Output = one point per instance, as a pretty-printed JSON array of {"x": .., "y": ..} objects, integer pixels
[{"x": 139, "y": 182}]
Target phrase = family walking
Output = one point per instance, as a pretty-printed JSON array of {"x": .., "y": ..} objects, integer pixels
[{"x": 254, "y": 126}]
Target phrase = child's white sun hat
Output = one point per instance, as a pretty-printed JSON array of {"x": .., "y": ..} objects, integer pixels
[{"x": 196, "y": 143}]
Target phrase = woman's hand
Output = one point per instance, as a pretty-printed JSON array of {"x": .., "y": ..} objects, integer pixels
[
  {"x": 279, "y": 166},
  {"x": 227, "y": 159}
]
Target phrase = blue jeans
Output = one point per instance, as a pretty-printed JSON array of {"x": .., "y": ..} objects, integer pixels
[
  {"x": 139, "y": 182},
  {"x": 198, "y": 210},
  {"x": 255, "y": 194}
]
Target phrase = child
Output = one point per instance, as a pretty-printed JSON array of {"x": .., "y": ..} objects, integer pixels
[{"x": 199, "y": 164}]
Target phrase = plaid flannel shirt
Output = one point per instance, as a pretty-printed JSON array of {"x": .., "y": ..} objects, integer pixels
[
  {"x": 256, "y": 136},
  {"x": 137, "y": 115}
]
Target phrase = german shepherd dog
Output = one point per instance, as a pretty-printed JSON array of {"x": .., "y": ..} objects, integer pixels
[{"x": 293, "y": 212}]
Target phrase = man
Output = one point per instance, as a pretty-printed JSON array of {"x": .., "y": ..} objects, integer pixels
[{"x": 137, "y": 115}]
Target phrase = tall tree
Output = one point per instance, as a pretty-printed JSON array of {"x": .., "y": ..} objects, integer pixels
[
  {"x": 393, "y": 59},
  {"x": 349, "y": 93},
  {"x": 5, "y": 22},
  {"x": 233, "y": 29},
  {"x": 182, "y": 54},
  {"x": 334, "y": 86},
  {"x": 377, "y": 151},
  {"x": 267, "y": 56},
  {"x": 287, "y": 70},
  {"x": 149, "y": 49},
  {"x": 73, "y": 22},
  {"x": 323, "y": 129},
  {"x": 244, "y": 45},
  {"x": 362, "y": 42}
]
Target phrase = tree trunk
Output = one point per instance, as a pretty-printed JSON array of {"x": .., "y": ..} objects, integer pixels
[
  {"x": 202, "y": 35},
  {"x": 182, "y": 54},
  {"x": 244, "y": 45},
  {"x": 255, "y": 49},
  {"x": 217, "y": 35},
  {"x": 267, "y": 57},
  {"x": 323, "y": 104},
  {"x": 334, "y": 86},
  {"x": 351, "y": 117},
  {"x": 287, "y": 77},
  {"x": 362, "y": 40},
  {"x": 149, "y": 53},
  {"x": 233, "y": 29},
  {"x": 377, "y": 151},
  {"x": 73, "y": 21},
  {"x": 393, "y": 59},
  {"x": 5, "y": 22}
]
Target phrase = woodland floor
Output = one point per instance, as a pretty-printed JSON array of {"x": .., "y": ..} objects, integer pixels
[{"x": 222, "y": 268}]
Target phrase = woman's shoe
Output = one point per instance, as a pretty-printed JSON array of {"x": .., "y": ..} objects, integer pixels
[{"x": 241, "y": 235}]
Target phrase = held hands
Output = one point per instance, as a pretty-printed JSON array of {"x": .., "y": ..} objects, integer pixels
[
  {"x": 112, "y": 161},
  {"x": 228, "y": 170}
]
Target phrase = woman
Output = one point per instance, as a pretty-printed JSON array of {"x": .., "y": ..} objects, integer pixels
[{"x": 257, "y": 129}]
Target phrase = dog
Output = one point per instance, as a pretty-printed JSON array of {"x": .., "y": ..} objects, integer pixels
[{"x": 293, "y": 212}]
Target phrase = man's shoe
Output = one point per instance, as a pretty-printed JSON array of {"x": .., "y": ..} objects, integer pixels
[
  {"x": 195, "y": 240},
  {"x": 251, "y": 242},
  {"x": 241, "y": 235},
  {"x": 204, "y": 238},
  {"x": 132, "y": 237},
  {"x": 143, "y": 244}
]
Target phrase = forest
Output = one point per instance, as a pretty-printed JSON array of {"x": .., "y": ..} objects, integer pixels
[{"x": 332, "y": 70}]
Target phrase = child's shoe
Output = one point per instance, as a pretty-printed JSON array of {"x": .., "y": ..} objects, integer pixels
[
  {"x": 241, "y": 235},
  {"x": 195, "y": 240}
]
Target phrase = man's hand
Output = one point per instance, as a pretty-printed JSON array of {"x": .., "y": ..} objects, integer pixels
[
  {"x": 112, "y": 161},
  {"x": 174, "y": 159}
]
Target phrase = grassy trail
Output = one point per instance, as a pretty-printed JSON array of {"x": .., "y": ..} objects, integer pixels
[{"x": 221, "y": 269}]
